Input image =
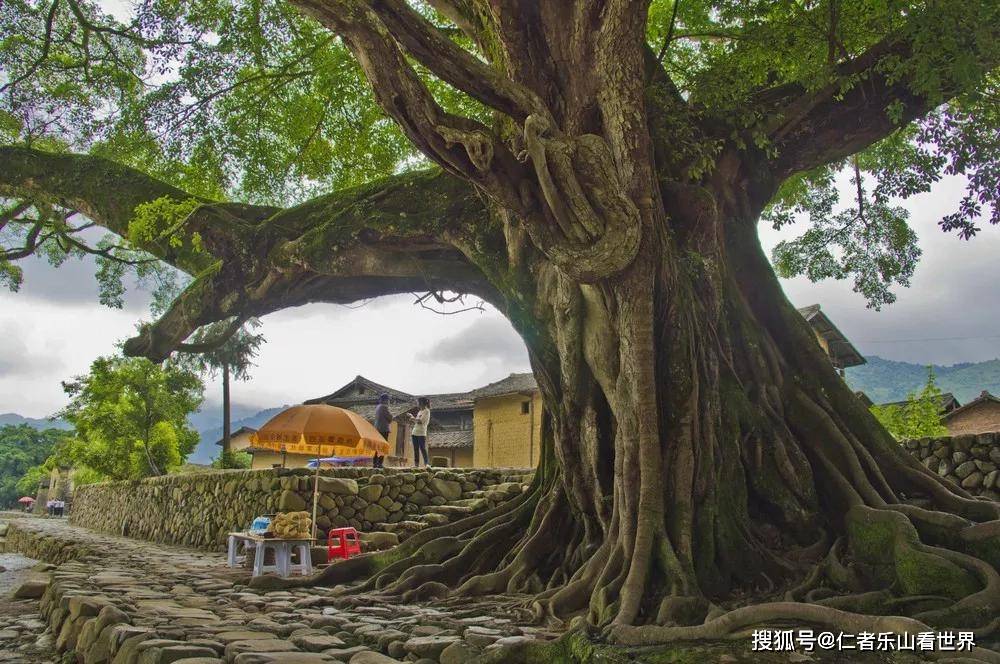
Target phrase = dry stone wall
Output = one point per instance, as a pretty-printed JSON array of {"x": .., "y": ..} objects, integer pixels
[
  {"x": 200, "y": 509},
  {"x": 970, "y": 461}
]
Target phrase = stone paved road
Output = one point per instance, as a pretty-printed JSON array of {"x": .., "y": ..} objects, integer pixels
[
  {"x": 22, "y": 632},
  {"x": 129, "y": 601}
]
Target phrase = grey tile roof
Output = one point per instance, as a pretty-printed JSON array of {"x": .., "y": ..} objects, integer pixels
[
  {"x": 842, "y": 351},
  {"x": 450, "y": 438},
  {"x": 373, "y": 390},
  {"x": 512, "y": 384},
  {"x": 946, "y": 402},
  {"x": 233, "y": 434},
  {"x": 984, "y": 397}
]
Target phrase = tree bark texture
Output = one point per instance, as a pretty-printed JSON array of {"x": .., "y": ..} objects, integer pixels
[
  {"x": 700, "y": 453},
  {"x": 226, "y": 414}
]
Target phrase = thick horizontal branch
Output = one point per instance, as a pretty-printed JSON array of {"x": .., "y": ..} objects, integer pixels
[
  {"x": 100, "y": 189},
  {"x": 411, "y": 232},
  {"x": 818, "y": 127}
]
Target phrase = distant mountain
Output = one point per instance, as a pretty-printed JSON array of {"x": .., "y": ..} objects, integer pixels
[
  {"x": 211, "y": 432},
  {"x": 207, "y": 422},
  {"x": 888, "y": 380},
  {"x": 34, "y": 422}
]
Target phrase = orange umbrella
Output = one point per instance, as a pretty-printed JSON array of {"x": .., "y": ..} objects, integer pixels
[{"x": 319, "y": 430}]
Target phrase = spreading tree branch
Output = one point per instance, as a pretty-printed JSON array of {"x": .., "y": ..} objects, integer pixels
[
  {"x": 871, "y": 95},
  {"x": 455, "y": 65},
  {"x": 460, "y": 145},
  {"x": 398, "y": 235}
]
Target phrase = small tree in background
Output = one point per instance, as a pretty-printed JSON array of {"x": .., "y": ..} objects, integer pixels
[
  {"x": 130, "y": 416},
  {"x": 215, "y": 349},
  {"x": 918, "y": 417},
  {"x": 21, "y": 448}
]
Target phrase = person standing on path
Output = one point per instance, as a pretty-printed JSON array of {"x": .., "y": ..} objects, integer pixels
[
  {"x": 419, "y": 435},
  {"x": 383, "y": 418}
]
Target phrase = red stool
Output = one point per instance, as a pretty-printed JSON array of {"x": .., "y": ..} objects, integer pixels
[{"x": 341, "y": 543}]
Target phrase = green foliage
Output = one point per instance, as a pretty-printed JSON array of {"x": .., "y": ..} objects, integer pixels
[
  {"x": 237, "y": 353},
  {"x": 85, "y": 475},
  {"x": 159, "y": 220},
  {"x": 28, "y": 483},
  {"x": 255, "y": 101},
  {"x": 21, "y": 449},
  {"x": 130, "y": 417},
  {"x": 238, "y": 459},
  {"x": 870, "y": 240},
  {"x": 918, "y": 417}
]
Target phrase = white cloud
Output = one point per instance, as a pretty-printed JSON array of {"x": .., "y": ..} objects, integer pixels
[{"x": 951, "y": 311}]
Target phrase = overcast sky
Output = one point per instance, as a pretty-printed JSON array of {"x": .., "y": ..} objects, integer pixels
[{"x": 54, "y": 327}]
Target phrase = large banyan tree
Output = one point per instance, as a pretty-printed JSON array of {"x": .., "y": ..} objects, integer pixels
[{"x": 596, "y": 170}]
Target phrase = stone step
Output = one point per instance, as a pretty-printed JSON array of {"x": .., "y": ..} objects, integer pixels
[
  {"x": 452, "y": 511},
  {"x": 400, "y": 527},
  {"x": 432, "y": 519},
  {"x": 472, "y": 503}
]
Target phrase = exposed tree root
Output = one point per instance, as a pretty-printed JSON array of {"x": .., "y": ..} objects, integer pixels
[{"x": 760, "y": 478}]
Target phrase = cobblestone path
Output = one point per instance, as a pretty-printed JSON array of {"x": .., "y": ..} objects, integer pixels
[{"x": 122, "y": 600}]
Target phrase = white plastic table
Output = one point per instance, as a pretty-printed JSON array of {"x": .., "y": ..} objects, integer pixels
[{"x": 282, "y": 553}]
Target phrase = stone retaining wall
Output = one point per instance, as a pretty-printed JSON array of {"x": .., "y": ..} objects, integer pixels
[
  {"x": 971, "y": 461},
  {"x": 34, "y": 544},
  {"x": 199, "y": 509}
]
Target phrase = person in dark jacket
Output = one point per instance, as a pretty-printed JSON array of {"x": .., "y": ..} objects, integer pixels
[{"x": 383, "y": 418}]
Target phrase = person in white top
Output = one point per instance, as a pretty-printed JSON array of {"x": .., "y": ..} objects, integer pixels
[{"x": 420, "y": 422}]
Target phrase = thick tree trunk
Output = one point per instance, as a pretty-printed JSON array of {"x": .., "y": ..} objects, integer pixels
[
  {"x": 700, "y": 450},
  {"x": 226, "y": 424}
]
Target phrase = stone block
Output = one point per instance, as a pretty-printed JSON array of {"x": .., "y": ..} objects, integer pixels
[
  {"x": 339, "y": 485},
  {"x": 429, "y": 646},
  {"x": 289, "y": 501},
  {"x": 375, "y": 513},
  {"x": 371, "y": 657},
  {"x": 447, "y": 489},
  {"x": 973, "y": 480},
  {"x": 370, "y": 492},
  {"x": 458, "y": 653},
  {"x": 292, "y": 657},
  {"x": 378, "y": 541},
  {"x": 317, "y": 642},
  {"x": 173, "y": 653},
  {"x": 236, "y": 648},
  {"x": 33, "y": 588},
  {"x": 963, "y": 470}
]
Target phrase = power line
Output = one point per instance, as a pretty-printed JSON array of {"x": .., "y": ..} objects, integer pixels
[{"x": 898, "y": 341}]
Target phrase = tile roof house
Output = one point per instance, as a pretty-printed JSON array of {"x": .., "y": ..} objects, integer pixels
[
  {"x": 450, "y": 433},
  {"x": 842, "y": 352},
  {"x": 946, "y": 403},
  {"x": 981, "y": 415}
]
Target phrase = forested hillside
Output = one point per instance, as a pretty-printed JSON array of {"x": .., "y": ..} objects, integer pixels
[{"x": 888, "y": 380}]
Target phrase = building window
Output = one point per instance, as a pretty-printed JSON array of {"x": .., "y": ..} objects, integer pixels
[{"x": 525, "y": 407}]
